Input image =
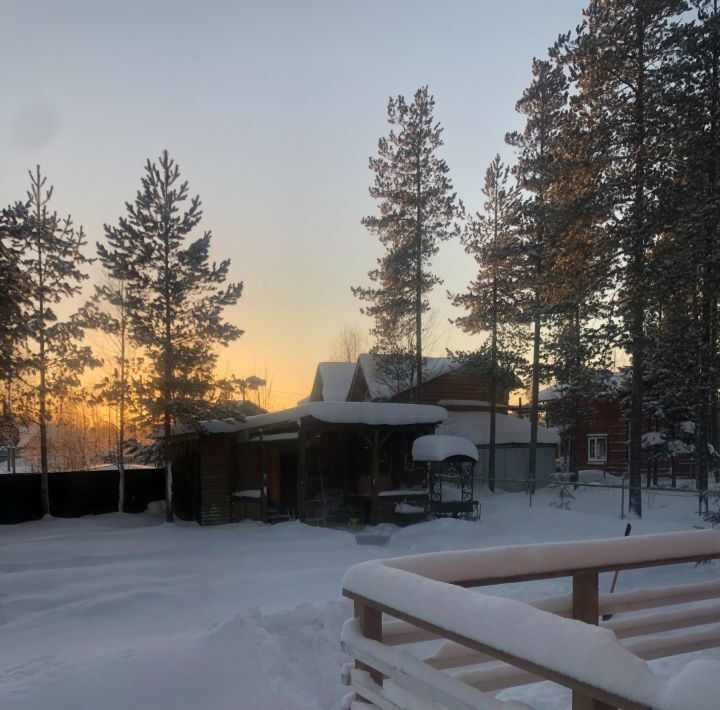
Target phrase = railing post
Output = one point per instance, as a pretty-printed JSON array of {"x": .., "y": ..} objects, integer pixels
[
  {"x": 586, "y": 607},
  {"x": 371, "y": 626}
]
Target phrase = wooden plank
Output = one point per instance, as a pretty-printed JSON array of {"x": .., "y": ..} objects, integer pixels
[
  {"x": 371, "y": 626},
  {"x": 522, "y": 663},
  {"x": 585, "y": 607},
  {"x": 507, "y": 579}
]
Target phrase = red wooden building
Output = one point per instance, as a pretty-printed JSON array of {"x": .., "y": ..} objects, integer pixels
[{"x": 601, "y": 440}]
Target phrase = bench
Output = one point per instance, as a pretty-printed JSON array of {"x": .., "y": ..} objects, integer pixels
[{"x": 487, "y": 643}]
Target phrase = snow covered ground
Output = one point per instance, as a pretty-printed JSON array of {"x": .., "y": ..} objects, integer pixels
[{"x": 123, "y": 611}]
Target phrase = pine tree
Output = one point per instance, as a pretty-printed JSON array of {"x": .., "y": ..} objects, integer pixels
[
  {"x": 417, "y": 209},
  {"x": 537, "y": 146},
  {"x": 695, "y": 195},
  {"x": 175, "y": 298},
  {"x": 620, "y": 62},
  {"x": 491, "y": 301},
  {"x": 108, "y": 312},
  {"x": 579, "y": 333},
  {"x": 14, "y": 293},
  {"x": 52, "y": 265}
]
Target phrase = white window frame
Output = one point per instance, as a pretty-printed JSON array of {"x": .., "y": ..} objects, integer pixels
[{"x": 594, "y": 438}]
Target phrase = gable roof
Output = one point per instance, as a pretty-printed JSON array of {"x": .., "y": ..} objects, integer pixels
[
  {"x": 369, "y": 366},
  {"x": 332, "y": 382}
]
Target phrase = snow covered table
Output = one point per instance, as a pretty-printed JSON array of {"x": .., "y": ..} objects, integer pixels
[{"x": 604, "y": 665}]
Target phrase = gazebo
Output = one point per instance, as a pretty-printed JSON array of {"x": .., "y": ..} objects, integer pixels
[{"x": 448, "y": 462}]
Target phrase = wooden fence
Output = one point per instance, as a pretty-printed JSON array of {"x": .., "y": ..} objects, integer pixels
[
  {"x": 487, "y": 643},
  {"x": 77, "y": 493}
]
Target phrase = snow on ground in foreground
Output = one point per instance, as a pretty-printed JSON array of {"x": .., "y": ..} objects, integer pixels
[{"x": 123, "y": 611}]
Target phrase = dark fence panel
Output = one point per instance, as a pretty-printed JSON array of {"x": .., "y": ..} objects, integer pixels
[
  {"x": 20, "y": 497},
  {"x": 77, "y": 493},
  {"x": 142, "y": 486}
]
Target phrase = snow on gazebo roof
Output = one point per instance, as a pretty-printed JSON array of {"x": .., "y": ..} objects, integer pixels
[
  {"x": 367, "y": 413},
  {"x": 439, "y": 447}
]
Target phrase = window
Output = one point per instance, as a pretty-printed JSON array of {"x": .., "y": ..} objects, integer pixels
[{"x": 597, "y": 448}]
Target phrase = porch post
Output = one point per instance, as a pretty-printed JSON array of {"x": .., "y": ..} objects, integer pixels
[
  {"x": 263, "y": 480},
  {"x": 301, "y": 475},
  {"x": 371, "y": 626},
  {"x": 586, "y": 607},
  {"x": 375, "y": 477}
]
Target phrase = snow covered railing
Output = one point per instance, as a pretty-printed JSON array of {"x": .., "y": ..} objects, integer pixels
[{"x": 485, "y": 643}]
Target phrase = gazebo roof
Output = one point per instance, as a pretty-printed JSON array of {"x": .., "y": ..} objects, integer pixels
[{"x": 440, "y": 447}]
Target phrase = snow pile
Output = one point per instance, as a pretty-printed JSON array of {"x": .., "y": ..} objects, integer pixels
[{"x": 438, "y": 447}]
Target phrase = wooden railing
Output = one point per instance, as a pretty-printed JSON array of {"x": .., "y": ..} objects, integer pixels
[{"x": 485, "y": 644}]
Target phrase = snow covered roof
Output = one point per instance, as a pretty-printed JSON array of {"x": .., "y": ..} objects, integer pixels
[
  {"x": 438, "y": 447},
  {"x": 475, "y": 426},
  {"x": 379, "y": 388},
  {"x": 204, "y": 426},
  {"x": 556, "y": 391},
  {"x": 335, "y": 379},
  {"x": 368, "y": 413}
]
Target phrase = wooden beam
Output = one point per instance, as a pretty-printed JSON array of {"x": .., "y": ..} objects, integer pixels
[
  {"x": 508, "y": 579},
  {"x": 263, "y": 480},
  {"x": 586, "y": 607},
  {"x": 371, "y": 626},
  {"x": 301, "y": 475},
  {"x": 375, "y": 477}
]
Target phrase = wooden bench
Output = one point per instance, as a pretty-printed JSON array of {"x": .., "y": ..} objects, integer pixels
[{"x": 484, "y": 661}]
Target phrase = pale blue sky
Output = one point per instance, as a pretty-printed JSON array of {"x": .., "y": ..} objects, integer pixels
[{"x": 271, "y": 109}]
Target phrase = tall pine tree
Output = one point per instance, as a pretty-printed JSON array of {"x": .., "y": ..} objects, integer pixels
[
  {"x": 52, "y": 265},
  {"x": 491, "y": 301},
  {"x": 536, "y": 170},
  {"x": 417, "y": 209},
  {"x": 175, "y": 298},
  {"x": 621, "y": 59}
]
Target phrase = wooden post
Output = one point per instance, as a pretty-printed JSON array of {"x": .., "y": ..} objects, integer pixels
[
  {"x": 263, "y": 480},
  {"x": 371, "y": 626},
  {"x": 301, "y": 475},
  {"x": 586, "y": 607},
  {"x": 375, "y": 477}
]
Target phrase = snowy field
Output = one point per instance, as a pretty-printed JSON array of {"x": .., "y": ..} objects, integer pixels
[{"x": 122, "y": 611}]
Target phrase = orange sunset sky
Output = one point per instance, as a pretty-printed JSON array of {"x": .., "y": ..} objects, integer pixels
[{"x": 271, "y": 112}]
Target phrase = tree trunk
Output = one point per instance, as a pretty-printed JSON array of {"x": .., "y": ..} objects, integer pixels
[
  {"x": 44, "y": 482},
  {"x": 493, "y": 410},
  {"x": 535, "y": 389},
  {"x": 121, "y": 414},
  {"x": 418, "y": 284},
  {"x": 637, "y": 278}
]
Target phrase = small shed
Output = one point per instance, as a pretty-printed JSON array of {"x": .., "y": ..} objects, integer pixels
[
  {"x": 512, "y": 442},
  {"x": 290, "y": 463},
  {"x": 448, "y": 462}
]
